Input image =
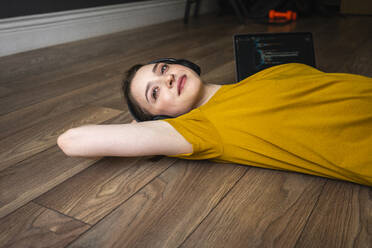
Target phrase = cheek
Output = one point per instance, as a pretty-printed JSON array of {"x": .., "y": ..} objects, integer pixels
[
  {"x": 171, "y": 106},
  {"x": 165, "y": 102},
  {"x": 167, "y": 98}
]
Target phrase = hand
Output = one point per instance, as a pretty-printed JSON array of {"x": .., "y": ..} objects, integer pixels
[{"x": 134, "y": 122}]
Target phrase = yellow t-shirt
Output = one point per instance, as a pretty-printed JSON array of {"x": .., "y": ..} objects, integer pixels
[{"x": 288, "y": 117}]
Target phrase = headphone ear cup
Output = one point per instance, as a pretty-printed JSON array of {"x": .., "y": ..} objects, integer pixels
[{"x": 161, "y": 117}]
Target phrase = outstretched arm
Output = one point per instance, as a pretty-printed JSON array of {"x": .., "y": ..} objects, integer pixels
[{"x": 125, "y": 140}]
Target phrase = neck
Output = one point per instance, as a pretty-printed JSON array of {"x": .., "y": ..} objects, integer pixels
[{"x": 207, "y": 93}]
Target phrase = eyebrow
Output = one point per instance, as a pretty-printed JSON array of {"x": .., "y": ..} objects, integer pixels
[{"x": 148, "y": 84}]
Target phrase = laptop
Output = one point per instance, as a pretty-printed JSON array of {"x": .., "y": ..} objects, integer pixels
[{"x": 255, "y": 52}]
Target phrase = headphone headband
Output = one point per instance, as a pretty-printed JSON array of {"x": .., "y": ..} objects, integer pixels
[{"x": 183, "y": 62}]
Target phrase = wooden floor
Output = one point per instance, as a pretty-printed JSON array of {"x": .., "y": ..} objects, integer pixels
[{"x": 50, "y": 200}]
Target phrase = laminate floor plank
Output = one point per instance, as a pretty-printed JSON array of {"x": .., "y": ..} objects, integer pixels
[
  {"x": 36, "y": 226},
  {"x": 224, "y": 73},
  {"x": 35, "y": 176},
  {"x": 29, "y": 115},
  {"x": 166, "y": 210},
  {"x": 114, "y": 101},
  {"x": 40, "y": 173},
  {"x": 147, "y": 43},
  {"x": 161, "y": 202},
  {"x": 123, "y": 118},
  {"x": 22, "y": 99},
  {"x": 54, "y": 58},
  {"x": 103, "y": 187},
  {"x": 342, "y": 218},
  {"x": 336, "y": 46},
  {"x": 42, "y": 136},
  {"x": 91, "y": 74},
  {"x": 27, "y": 97},
  {"x": 265, "y": 209},
  {"x": 4, "y": 91},
  {"x": 360, "y": 61}
]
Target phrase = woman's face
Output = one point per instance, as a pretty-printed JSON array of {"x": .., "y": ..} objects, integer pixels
[{"x": 166, "y": 89}]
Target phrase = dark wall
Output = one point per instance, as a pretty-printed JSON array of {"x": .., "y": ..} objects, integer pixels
[{"x": 14, "y": 8}]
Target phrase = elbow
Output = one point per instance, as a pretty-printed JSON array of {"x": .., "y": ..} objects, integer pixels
[{"x": 67, "y": 142}]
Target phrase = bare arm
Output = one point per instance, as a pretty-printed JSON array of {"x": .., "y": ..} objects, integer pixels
[{"x": 126, "y": 140}]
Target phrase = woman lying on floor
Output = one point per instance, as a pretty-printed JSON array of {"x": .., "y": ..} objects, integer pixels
[{"x": 287, "y": 117}]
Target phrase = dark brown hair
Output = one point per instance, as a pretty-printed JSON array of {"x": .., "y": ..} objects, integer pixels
[{"x": 139, "y": 112}]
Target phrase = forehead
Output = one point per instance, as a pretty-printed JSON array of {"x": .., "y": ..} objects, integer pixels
[
  {"x": 143, "y": 74},
  {"x": 139, "y": 82}
]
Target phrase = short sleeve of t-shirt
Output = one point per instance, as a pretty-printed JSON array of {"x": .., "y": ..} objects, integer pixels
[{"x": 199, "y": 132}]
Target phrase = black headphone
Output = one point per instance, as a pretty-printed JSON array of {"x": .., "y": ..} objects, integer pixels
[{"x": 183, "y": 62}]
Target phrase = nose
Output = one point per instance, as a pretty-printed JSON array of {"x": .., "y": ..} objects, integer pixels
[{"x": 169, "y": 79}]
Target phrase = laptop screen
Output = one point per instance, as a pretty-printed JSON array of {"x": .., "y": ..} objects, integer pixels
[{"x": 255, "y": 52}]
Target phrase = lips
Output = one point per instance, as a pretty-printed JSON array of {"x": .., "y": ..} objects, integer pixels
[{"x": 180, "y": 84}]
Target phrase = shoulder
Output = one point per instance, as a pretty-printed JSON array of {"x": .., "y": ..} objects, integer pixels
[{"x": 198, "y": 130}]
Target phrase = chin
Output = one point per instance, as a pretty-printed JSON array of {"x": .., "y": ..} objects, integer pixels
[{"x": 181, "y": 112}]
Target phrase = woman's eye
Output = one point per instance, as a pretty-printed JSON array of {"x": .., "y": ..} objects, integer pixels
[
  {"x": 163, "y": 68},
  {"x": 155, "y": 93}
]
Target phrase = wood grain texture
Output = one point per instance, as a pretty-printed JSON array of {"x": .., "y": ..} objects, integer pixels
[
  {"x": 40, "y": 173},
  {"x": 114, "y": 101},
  {"x": 26, "y": 97},
  {"x": 99, "y": 54},
  {"x": 265, "y": 209},
  {"x": 42, "y": 136},
  {"x": 36, "y": 226},
  {"x": 4, "y": 91},
  {"x": 342, "y": 218},
  {"x": 134, "y": 202},
  {"x": 359, "y": 61},
  {"x": 167, "y": 210},
  {"x": 35, "y": 176},
  {"x": 27, "y": 116},
  {"x": 61, "y": 60},
  {"x": 224, "y": 73},
  {"x": 337, "y": 45},
  {"x": 103, "y": 187}
]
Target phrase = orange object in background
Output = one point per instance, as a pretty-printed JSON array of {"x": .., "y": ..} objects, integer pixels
[{"x": 288, "y": 15}]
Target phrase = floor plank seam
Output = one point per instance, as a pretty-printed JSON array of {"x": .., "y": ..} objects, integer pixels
[
  {"x": 106, "y": 64},
  {"x": 61, "y": 213},
  {"x": 19, "y": 162},
  {"x": 42, "y": 87},
  {"x": 73, "y": 74},
  {"x": 33, "y": 200},
  {"x": 89, "y": 103},
  {"x": 92, "y": 226},
  {"x": 59, "y": 95},
  {"x": 228, "y": 192},
  {"x": 311, "y": 213},
  {"x": 55, "y": 143}
]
